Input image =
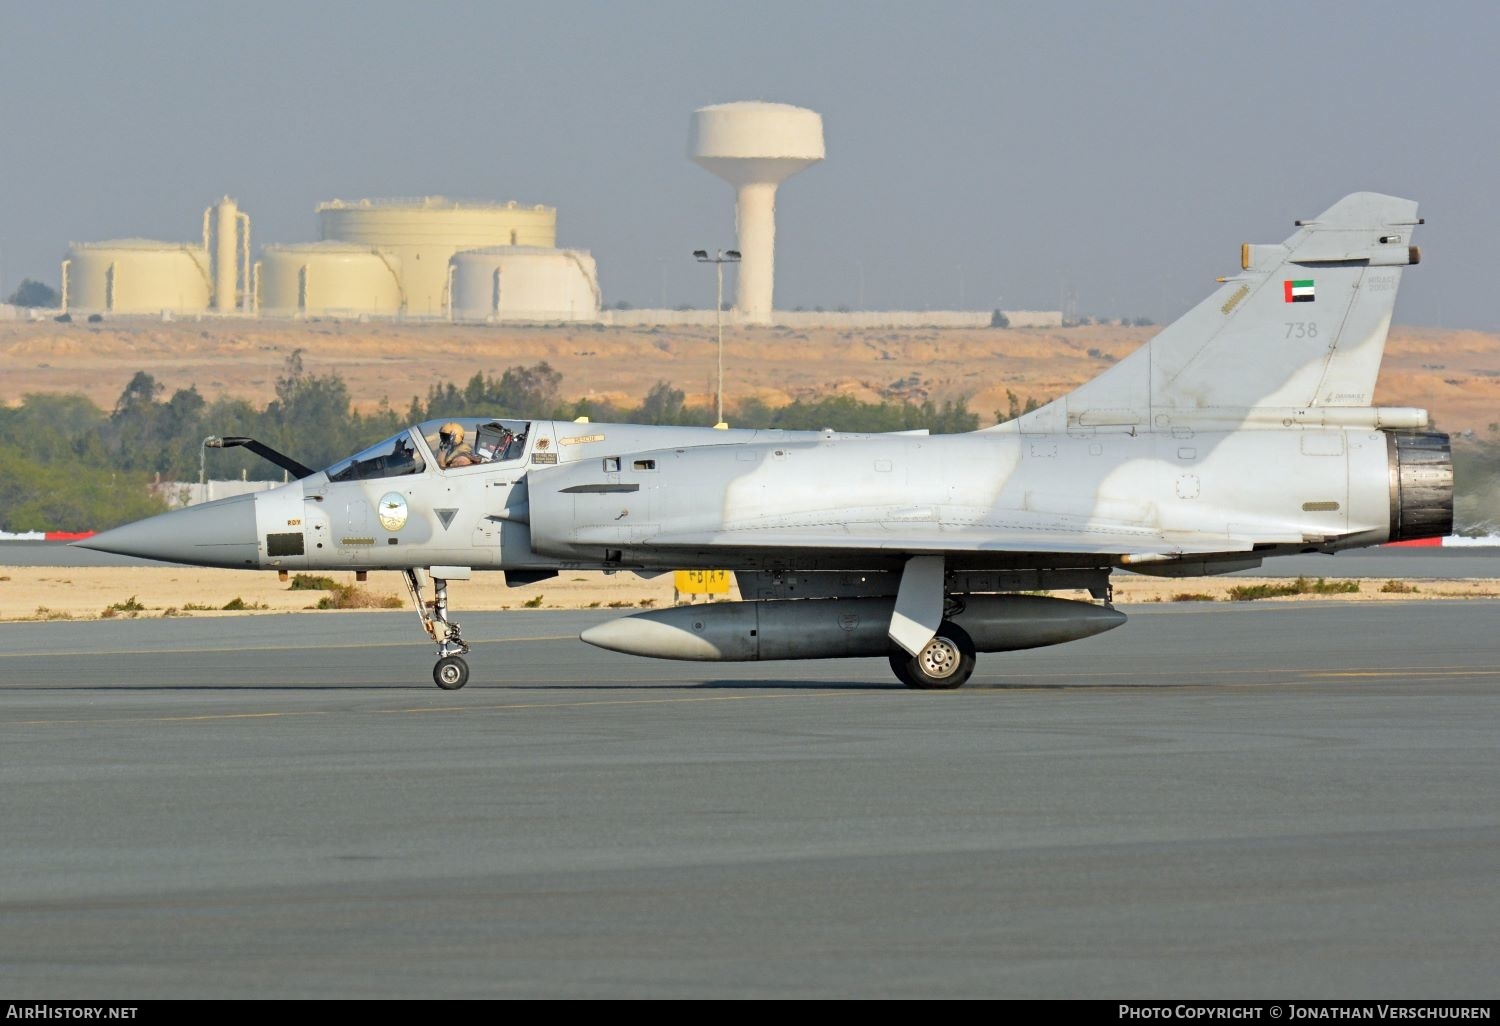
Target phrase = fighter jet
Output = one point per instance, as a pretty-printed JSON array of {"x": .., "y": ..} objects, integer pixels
[{"x": 1243, "y": 431}]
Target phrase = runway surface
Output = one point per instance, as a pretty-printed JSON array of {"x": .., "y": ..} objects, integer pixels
[{"x": 1214, "y": 800}]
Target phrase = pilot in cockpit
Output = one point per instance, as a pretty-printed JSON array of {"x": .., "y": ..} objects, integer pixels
[{"x": 452, "y": 451}]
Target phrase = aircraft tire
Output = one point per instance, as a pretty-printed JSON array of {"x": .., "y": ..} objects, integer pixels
[
  {"x": 450, "y": 673},
  {"x": 946, "y": 663}
]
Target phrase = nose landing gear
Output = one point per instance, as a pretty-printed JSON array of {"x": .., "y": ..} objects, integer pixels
[{"x": 451, "y": 671}]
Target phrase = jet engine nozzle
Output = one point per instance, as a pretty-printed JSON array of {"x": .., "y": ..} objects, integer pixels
[{"x": 1421, "y": 465}]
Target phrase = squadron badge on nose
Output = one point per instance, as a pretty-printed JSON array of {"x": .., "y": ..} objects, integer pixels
[{"x": 392, "y": 511}]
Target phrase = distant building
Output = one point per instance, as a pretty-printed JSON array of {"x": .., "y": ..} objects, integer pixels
[{"x": 442, "y": 259}]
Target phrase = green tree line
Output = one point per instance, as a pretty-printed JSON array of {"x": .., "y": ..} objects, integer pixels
[{"x": 67, "y": 465}]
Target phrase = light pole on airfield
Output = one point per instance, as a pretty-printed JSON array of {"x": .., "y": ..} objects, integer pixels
[{"x": 719, "y": 259}]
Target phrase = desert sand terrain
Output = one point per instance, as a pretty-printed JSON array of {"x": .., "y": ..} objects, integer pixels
[
  {"x": 86, "y": 593},
  {"x": 1454, "y": 374}
]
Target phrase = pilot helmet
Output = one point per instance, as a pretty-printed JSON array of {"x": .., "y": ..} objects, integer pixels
[{"x": 452, "y": 433}]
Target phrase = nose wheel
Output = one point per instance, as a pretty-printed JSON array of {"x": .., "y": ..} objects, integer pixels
[{"x": 451, "y": 671}]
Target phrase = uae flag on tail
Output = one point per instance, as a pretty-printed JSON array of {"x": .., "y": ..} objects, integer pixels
[{"x": 1299, "y": 291}]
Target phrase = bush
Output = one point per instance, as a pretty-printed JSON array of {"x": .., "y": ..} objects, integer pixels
[
  {"x": 352, "y": 596},
  {"x": 532, "y": 603},
  {"x": 114, "y": 609},
  {"x": 34, "y": 294},
  {"x": 311, "y": 582},
  {"x": 1251, "y": 592},
  {"x": 1322, "y": 587},
  {"x": 1301, "y": 586}
]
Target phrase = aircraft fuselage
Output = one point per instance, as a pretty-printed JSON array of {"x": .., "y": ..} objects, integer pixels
[{"x": 772, "y": 500}]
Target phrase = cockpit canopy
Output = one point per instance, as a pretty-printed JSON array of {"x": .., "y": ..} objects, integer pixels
[
  {"x": 477, "y": 441},
  {"x": 390, "y": 458}
]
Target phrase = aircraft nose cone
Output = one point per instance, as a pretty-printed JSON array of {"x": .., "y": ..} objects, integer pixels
[{"x": 220, "y": 533}]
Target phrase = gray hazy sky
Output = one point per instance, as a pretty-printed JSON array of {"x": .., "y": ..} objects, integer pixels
[{"x": 979, "y": 154}]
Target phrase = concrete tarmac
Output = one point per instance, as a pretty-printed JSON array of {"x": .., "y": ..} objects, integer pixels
[{"x": 1233, "y": 801}]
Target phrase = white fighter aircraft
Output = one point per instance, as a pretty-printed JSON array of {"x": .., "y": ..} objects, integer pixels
[{"x": 1244, "y": 430}]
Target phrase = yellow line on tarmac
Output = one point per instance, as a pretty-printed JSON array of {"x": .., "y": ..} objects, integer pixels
[
  {"x": 613, "y": 701},
  {"x": 414, "y": 643},
  {"x": 195, "y": 651},
  {"x": 235, "y": 716},
  {"x": 1412, "y": 672},
  {"x": 1234, "y": 671},
  {"x": 437, "y": 709},
  {"x": 165, "y": 719}
]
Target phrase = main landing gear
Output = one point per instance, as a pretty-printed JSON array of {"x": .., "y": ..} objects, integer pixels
[
  {"x": 945, "y": 663},
  {"x": 451, "y": 671}
]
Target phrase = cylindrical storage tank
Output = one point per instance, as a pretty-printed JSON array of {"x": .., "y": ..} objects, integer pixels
[
  {"x": 329, "y": 278},
  {"x": 138, "y": 276},
  {"x": 525, "y": 283},
  {"x": 425, "y": 233},
  {"x": 225, "y": 253}
]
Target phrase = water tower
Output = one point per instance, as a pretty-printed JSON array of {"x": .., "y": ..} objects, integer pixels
[{"x": 755, "y": 147}]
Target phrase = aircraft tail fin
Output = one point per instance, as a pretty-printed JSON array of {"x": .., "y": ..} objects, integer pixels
[{"x": 1301, "y": 326}]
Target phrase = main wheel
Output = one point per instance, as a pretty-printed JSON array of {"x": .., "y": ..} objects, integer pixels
[
  {"x": 451, "y": 673},
  {"x": 946, "y": 663}
]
